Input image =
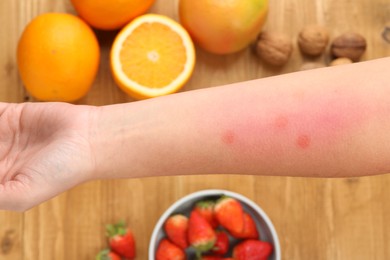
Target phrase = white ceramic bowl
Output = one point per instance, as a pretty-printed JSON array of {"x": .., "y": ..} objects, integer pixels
[{"x": 184, "y": 205}]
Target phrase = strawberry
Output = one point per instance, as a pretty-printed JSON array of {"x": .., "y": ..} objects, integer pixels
[
  {"x": 253, "y": 250},
  {"x": 230, "y": 214},
  {"x": 121, "y": 240},
  {"x": 206, "y": 209},
  {"x": 200, "y": 233},
  {"x": 221, "y": 244},
  {"x": 176, "y": 229},
  {"x": 249, "y": 231},
  {"x": 106, "y": 254},
  {"x": 167, "y": 250}
]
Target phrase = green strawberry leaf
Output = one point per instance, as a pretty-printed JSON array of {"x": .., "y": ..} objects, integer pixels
[{"x": 116, "y": 229}]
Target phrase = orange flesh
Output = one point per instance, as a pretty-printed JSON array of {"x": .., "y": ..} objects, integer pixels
[{"x": 153, "y": 55}]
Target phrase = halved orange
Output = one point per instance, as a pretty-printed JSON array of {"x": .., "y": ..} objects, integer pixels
[{"x": 152, "y": 56}]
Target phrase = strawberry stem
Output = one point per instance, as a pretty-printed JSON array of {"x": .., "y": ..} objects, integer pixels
[
  {"x": 103, "y": 255},
  {"x": 116, "y": 229},
  {"x": 205, "y": 204}
]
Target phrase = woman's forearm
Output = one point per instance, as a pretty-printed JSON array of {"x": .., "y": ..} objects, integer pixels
[{"x": 328, "y": 122}]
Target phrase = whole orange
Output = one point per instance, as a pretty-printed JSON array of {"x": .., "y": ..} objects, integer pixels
[
  {"x": 223, "y": 26},
  {"x": 58, "y": 57},
  {"x": 110, "y": 14}
]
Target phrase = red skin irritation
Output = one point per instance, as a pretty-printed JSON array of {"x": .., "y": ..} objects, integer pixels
[
  {"x": 281, "y": 122},
  {"x": 312, "y": 124},
  {"x": 303, "y": 141},
  {"x": 228, "y": 137}
]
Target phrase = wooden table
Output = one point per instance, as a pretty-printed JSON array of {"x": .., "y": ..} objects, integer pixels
[{"x": 315, "y": 218}]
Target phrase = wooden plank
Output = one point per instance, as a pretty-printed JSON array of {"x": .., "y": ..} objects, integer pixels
[
  {"x": 11, "y": 234},
  {"x": 315, "y": 218},
  {"x": 11, "y": 89}
]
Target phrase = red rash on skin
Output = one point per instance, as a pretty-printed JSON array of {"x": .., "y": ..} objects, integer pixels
[
  {"x": 303, "y": 141},
  {"x": 228, "y": 137},
  {"x": 311, "y": 123},
  {"x": 281, "y": 122}
]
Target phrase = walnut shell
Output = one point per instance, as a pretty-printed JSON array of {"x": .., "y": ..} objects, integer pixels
[
  {"x": 349, "y": 45},
  {"x": 274, "y": 48},
  {"x": 313, "y": 39},
  {"x": 340, "y": 61}
]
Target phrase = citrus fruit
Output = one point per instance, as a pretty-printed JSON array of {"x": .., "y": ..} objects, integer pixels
[
  {"x": 152, "y": 56},
  {"x": 110, "y": 14},
  {"x": 223, "y": 27},
  {"x": 58, "y": 57}
]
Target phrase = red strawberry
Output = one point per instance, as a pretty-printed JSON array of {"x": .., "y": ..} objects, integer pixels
[
  {"x": 106, "y": 254},
  {"x": 206, "y": 209},
  {"x": 249, "y": 231},
  {"x": 176, "y": 229},
  {"x": 222, "y": 244},
  {"x": 252, "y": 250},
  {"x": 167, "y": 250},
  {"x": 121, "y": 240},
  {"x": 200, "y": 233},
  {"x": 230, "y": 214}
]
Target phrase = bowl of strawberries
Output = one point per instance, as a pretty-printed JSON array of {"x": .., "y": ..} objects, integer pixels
[{"x": 214, "y": 225}]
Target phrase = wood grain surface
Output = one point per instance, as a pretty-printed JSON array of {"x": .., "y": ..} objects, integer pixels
[{"x": 315, "y": 218}]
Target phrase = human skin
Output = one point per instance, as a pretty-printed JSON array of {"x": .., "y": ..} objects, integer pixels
[{"x": 329, "y": 122}]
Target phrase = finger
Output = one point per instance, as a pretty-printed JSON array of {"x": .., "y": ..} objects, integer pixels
[{"x": 13, "y": 197}]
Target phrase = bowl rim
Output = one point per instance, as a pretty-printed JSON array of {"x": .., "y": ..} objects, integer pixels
[{"x": 213, "y": 192}]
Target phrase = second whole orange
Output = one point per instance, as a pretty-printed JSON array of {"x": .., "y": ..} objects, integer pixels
[
  {"x": 223, "y": 27},
  {"x": 110, "y": 14}
]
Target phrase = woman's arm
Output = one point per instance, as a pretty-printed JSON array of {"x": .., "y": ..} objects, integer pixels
[{"x": 331, "y": 122}]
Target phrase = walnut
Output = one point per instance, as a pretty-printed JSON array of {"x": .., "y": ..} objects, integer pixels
[
  {"x": 340, "y": 61},
  {"x": 274, "y": 48},
  {"x": 311, "y": 65},
  {"x": 313, "y": 39},
  {"x": 349, "y": 45}
]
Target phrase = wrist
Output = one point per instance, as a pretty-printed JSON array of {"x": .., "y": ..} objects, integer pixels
[
  {"x": 83, "y": 126},
  {"x": 112, "y": 135}
]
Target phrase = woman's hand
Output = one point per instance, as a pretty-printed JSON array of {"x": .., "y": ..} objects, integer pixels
[{"x": 44, "y": 150}]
